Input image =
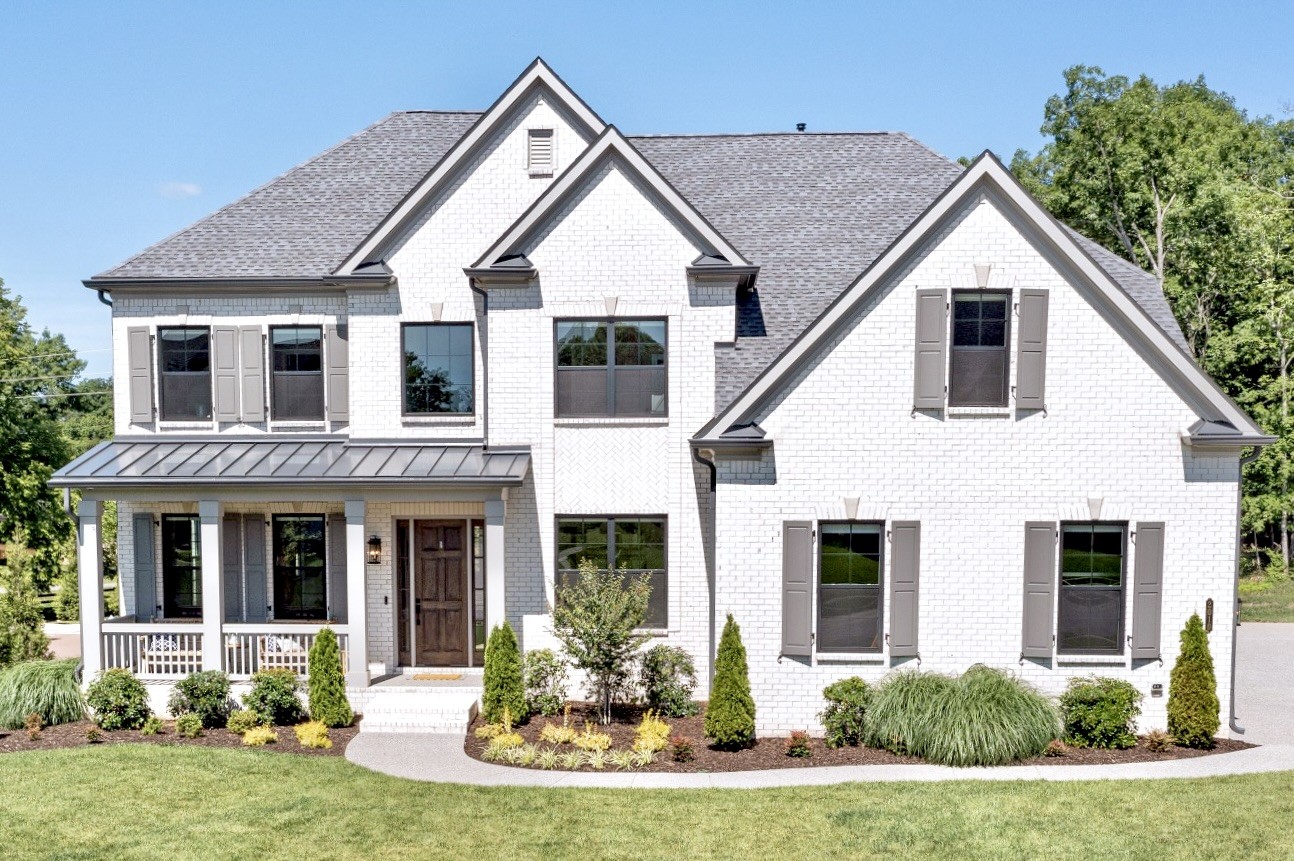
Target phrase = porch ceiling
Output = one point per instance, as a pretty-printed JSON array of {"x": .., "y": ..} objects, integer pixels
[{"x": 291, "y": 462}]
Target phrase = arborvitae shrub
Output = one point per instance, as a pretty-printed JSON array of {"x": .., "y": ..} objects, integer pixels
[
  {"x": 1193, "y": 690},
  {"x": 730, "y": 714},
  {"x": 274, "y": 697},
  {"x": 504, "y": 684},
  {"x": 326, "y": 684},
  {"x": 118, "y": 700}
]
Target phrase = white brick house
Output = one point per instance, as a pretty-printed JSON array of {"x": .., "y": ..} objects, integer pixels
[{"x": 883, "y": 410}]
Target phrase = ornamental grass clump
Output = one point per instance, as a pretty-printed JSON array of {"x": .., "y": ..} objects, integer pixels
[
  {"x": 118, "y": 700},
  {"x": 1100, "y": 712},
  {"x": 504, "y": 680},
  {"x": 1193, "y": 690},
  {"x": 326, "y": 684},
  {"x": 730, "y": 714},
  {"x": 47, "y": 688},
  {"x": 985, "y": 717}
]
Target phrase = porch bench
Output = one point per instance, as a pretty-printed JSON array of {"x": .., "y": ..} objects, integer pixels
[
  {"x": 168, "y": 654},
  {"x": 282, "y": 652}
]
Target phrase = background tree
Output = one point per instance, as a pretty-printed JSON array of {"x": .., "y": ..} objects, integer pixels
[{"x": 22, "y": 634}]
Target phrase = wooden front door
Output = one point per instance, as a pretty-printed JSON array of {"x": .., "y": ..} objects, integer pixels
[{"x": 441, "y": 608}]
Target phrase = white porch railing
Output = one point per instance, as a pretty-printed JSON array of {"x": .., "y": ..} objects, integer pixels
[{"x": 165, "y": 650}]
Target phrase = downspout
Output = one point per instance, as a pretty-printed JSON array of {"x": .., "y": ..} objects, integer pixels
[
  {"x": 104, "y": 299},
  {"x": 1240, "y": 495},
  {"x": 485, "y": 365},
  {"x": 714, "y": 541}
]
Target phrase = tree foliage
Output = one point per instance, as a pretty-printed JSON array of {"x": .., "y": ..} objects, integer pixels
[
  {"x": 22, "y": 630},
  {"x": 504, "y": 681},
  {"x": 326, "y": 684},
  {"x": 1193, "y": 690},
  {"x": 730, "y": 713}
]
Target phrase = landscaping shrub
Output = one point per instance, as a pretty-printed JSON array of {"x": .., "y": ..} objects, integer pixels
[
  {"x": 118, "y": 700},
  {"x": 326, "y": 683},
  {"x": 205, "y": 694},
  {"x": 259, "y": 736},
  {"x": 93, "y": 734},
  {"x": 545, "y": 675},
  {"x": 504, "y": 683},
  {"x": 730, "y": 714},
  {"x": 188, "y": 725},
  {"x": 1055, "y": 748},
  {"x": 22, "y": 627},
  {"x": 986, "y": 717},
  {"x": 274, "y": 697},
  {"x": 34, "y": 724},
  {"x": 846, "y": 710},
  {"x": 681, "y": 748},
  {"x": 1193, "y": 690},
  {"x": 797, "y": 745},
  {"x": 241, "y": 720},
  {"x": 598, "y": 619},
  {"x": 1158, "y": 740},
  {"x": 152, "y": 726},
  {"x": 487, "y": 731},
  {"x": 505, "y": 741},
  {"x": 313, "y": 734},
  {"x": 667, "y": 679},
  {"x": 1100, "y": 712},
  {"x": 48, "y": 688},
  {"x": 652, "y": 733},
  {"x": 591, "y": 739}
]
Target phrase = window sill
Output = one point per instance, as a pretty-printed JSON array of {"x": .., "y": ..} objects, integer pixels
[
  {"x": 453, "y": 420},
  {"x": 184, "y": 426},
  {"x": 1100, "y": 660},
  {"x": 978, "y": 412},
  {"x": 876, "y": 658},
  {"x": 613, "y": 421}
]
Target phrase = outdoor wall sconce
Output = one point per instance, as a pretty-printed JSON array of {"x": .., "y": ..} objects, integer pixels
[{"x": 374, "y": 550}]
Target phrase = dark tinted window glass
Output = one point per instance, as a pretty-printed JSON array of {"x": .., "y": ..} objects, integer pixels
[
  {"x": 635, "y": 544},
  {"x": 185, "y": 374},
  {"x": 438, "y": 366},
  {"x": 300, "y": 575},
  {"x": 849, "y": 590},
  {"x": 611, "y": 369},
  {"x": 1090, "y": 618},
  {"x": 297, "y": 360},
  {"x": 181, "y": 566},
  {"x": 980, "y": 370}
]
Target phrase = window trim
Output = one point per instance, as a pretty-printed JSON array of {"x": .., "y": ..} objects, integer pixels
[
  {"x": 162, "y": 373},
  {"x": 274, "y": 566},
  {"x": 610, "y": 415},
  {"x": 1008, "y": 295},
  {"x": 272, "y": 373},
  {"x": 1122, "y": 636},
  {"x": 610, "y": 520},
  {"x": 882, "y": 581},
  {"x": 166, "y": 575},
  {"x": 404, "y": 412}
]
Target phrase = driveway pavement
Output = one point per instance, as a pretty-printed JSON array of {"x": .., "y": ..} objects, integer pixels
[
  {"x": 1264, "y": 681},
  {"x": 64, "y": 639}
]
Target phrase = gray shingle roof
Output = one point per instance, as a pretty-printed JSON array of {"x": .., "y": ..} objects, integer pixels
[{"x": 812, "y": 210}]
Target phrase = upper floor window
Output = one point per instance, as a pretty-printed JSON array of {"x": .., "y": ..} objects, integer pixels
[
  {"x": 297, "y": 390},
  {"x": 1090, "y": 614},
  {"x": 979, "y": 365},
  {"x": 184, "y": 360},
  {"x": 849, "y": 588},
  {"x": 438, "y": 368},
  {"x": 611, "y": 368}
]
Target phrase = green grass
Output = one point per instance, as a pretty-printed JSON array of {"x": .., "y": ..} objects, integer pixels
[
  {"x": 146, "y": 802},
  {"x": 1266, "y": 600}
]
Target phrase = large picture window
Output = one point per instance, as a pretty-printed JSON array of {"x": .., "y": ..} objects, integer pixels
[
  {"x": 1090, "y": 616},
  {"x": 438, "y": 368},
  {"x": 184, "y": 362},
  {"x": 296, "y": 353},
  {"x": 980, "y": 366},
  {"x": 300, "y": 572},
  {"x": 181, "y": 566},
  {"x": 607, "y": 368},
  {"x": 849, "y": 587},
  {"x": 635, "y": 544}
]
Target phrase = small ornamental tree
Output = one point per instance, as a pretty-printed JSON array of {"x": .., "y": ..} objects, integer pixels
[
  {"x": 1193, "y": 690},
  {"x": 22, "y": 629},
  {"x": 597, "y": 619},
  {"x": 326, "y": 686},
  {"x": 505, "y": 687},
  {"x": 730, "y": 714}
]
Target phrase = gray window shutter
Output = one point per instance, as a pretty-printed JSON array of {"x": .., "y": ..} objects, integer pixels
[
  {"x": 251, "y": 362},
  {"x": 905, "y": 568},
  {"x": 224, "y": 364},
  {"x": 338, "y": 345},
  {"x": 1148, "y": 580},
  {"x": 1031, "y": 351},
  {"x": 797, "y": 588},
  {"x": 337, "y": 606},
  {"x": 140, "y": 358},
  {"x": 232, "y": 562},
  {"x": 1039, "y": 589},
  {"x": 145, "y": 569},
  {"x": 254, "y": 567},
  {"x": 932, "y": 350}
]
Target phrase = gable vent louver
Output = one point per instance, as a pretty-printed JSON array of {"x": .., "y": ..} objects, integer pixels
[{"x": 539, "y": 153}]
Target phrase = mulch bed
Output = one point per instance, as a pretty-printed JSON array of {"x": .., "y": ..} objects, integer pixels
[
  {"x": 771, "y": 752},
  {"x": 74, "y": 735}
]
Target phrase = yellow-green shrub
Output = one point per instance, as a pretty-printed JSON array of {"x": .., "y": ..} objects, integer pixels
[
  {"x": 554, "y": 734},
  {"x": 487, "y": 731},
  {"x": 313, "y": 734},
  {"x": 652, "y": 733},
  {"x": 506, "y": 741},
  {"x": 591, "y": 739},
  {"x": 259, "y": 736}
]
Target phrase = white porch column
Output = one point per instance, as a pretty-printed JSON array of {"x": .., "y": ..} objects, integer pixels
[
  {"x": 89, "y": 567},
  {"x": 356, "y": 594},
  {"x": 495, "y": 599},
  {"x": 213, "y": 584}
]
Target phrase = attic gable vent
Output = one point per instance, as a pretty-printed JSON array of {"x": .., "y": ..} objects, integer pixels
[{"x": 539, "y": 152}]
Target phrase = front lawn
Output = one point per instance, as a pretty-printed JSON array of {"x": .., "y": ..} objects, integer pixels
[
  {"x": 1266, "y": 600},
  {"x": 144, "y": 801}
]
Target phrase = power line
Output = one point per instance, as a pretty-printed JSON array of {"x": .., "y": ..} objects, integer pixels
[{"x": 40, "y": 397}]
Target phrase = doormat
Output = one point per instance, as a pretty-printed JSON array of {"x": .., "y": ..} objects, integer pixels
[{"x": 436, "y": 677}]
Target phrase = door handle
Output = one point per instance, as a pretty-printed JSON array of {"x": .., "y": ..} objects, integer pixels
[{"x": 417, "y": 614}]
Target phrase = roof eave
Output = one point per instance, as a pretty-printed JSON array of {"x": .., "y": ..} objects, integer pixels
[
  {"x": 240, "y": 284},
  {"x": 489, "y": 276},
  {"x": 321, "y": 483}
]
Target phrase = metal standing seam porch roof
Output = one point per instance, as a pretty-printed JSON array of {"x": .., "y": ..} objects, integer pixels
[{"x": 280, "y": 462}]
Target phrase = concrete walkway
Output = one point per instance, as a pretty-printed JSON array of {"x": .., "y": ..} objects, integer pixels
[{"x": 1265, "y": 705}]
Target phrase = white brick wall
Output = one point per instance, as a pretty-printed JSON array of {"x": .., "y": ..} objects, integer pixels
[{"x": 847, "y": 429}]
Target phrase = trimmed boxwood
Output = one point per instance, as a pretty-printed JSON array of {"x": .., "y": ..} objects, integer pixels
[
  {"x": 118, "y": 700},
  {"x": 1100, "y": 712},
  {"x": 845, "y": 715},
  {"x": 274, "y": 697},
  {"x": 205, "y": 694}
]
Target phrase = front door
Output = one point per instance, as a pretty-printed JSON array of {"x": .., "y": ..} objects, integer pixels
[{"x": 440, "y": 594}]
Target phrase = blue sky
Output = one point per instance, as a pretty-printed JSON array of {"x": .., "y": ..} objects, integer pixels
[{"x": 123, "y": 122}]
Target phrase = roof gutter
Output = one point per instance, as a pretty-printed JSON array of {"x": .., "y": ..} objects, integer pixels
[{"x": 255, "y": 284}]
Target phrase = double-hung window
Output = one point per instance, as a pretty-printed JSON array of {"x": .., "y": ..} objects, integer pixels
[
  {"x": 1092, "y": 576},
  {"x": 300, "y": 572},
  {"x": 979, "y": 361},
  {"x": 181, "y": 566},
  {"x": 438, "y": 368},
  {"x": 297, "y": 390},
  {"x": 849, "y": 587},
  {"x": 611, "y": 368},
  {"x": 635, "y": 545},
  {"x": 185, "y": 373}
]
